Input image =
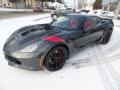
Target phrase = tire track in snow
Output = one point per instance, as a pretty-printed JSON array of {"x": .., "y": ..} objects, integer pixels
[
  {"x": 108, "y": 73},
  {"x": 113, "y": 72},
  {"x": 117, "y": 25},
  {"x": 102, "y": 70},
  {"x": 86, "y": 61},
  {"x": 115, "y": 57},
  {"x": 108, "y": 70}
]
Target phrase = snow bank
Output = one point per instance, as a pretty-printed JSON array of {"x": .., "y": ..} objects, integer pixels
[{"x": 12, "y": 10}]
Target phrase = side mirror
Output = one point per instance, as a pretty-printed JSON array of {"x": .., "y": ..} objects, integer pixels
[{"x": 103, "y": 21}]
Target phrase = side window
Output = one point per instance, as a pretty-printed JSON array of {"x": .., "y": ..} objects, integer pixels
[
  {"x": 96, "y": 20},
  {"x": 88, "y": 23},
  {"x": 91, "y": 22}
]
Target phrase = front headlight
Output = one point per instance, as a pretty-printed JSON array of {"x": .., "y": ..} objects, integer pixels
[
  {"x": 26, "y": 52},
  {"x": 22, "y": 55},
  {"x": 30, "y": 48}
]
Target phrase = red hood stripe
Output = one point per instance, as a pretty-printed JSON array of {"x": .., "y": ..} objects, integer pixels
[{"x": 53, "y": 39}]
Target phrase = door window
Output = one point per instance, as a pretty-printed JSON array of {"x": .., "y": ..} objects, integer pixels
[
  {"x": 91, "y": 22},
  {"x": 88, "y": 23}
]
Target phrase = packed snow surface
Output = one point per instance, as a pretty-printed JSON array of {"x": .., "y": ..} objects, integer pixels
[
  {"x": 95, "y": 67},
  {"x": 9, "y": 9}
]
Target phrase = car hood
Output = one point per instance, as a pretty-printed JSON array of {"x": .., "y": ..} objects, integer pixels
[{"x": 29, "y": 35}]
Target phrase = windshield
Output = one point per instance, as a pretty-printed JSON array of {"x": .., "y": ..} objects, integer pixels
[{"x": 68, "y": 22}]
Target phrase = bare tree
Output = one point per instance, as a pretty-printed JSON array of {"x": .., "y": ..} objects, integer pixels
[
  {"x": 14, "y": 1},
  {"x": 97, "y": 4},
  {"x": 25, "y": 2},
  {"x": 82, "y": 3}
]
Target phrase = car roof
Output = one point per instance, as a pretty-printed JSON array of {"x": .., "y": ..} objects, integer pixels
[{"x": 83, "y": 15}]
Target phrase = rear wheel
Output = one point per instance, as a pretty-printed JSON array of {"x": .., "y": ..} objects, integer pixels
[
  {"x": 56, "y": 58},
  {"x": 106, "y": 36}
]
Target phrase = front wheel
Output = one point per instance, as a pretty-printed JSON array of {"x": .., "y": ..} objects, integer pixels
[
  {"x": 56, "y": 58},
  {"x": 106, "y": 36}
]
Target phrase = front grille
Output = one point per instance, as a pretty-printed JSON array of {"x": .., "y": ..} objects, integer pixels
[{"x": 12, "y": 59}]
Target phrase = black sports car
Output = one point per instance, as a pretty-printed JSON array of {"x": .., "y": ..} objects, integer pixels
[{"x": 50, "y": 45}]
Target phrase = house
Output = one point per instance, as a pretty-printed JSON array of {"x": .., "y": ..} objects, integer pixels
[{"x": 5, "y": 4}]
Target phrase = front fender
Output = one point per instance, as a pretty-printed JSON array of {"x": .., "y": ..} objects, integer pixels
[{"x": 49, "y": 47}]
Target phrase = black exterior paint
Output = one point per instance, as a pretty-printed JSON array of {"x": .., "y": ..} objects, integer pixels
[{"x": 34, "y": 33}]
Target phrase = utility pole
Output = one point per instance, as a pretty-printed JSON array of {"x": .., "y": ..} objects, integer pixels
[
  {"x": 1, "y": 1},
  {"x": 74, "y": 3},
  {"x": 108, "y": 9},
  {"x": 117, "y": 11},
  {"x": 103, "y": 8}
]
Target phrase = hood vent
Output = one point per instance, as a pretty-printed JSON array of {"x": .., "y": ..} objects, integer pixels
[{"x": 28, "y": 32}]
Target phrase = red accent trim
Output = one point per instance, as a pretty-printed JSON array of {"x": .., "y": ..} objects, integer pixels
[{"x": 53, "y": 39}]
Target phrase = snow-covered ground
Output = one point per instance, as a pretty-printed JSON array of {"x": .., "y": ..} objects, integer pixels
[
  {"x": 95, "y": 67},
  {"x": 102, "y": 13},
  {"x": 11, "y": 10}
]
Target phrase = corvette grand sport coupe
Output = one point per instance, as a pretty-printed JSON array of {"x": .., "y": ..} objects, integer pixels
[{"x": 48, "y": 46}]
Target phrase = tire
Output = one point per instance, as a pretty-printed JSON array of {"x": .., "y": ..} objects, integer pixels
[
  {"x": 54, "y": 17},
  {"x": 55, "y": 59},
  {"x": 106, "y": 36}
]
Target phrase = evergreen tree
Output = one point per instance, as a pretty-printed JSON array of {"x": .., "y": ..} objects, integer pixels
[{"x": 97, "y": 4}]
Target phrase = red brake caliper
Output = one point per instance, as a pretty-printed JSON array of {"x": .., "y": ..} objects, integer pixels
[{"x": 59, "y": 55}]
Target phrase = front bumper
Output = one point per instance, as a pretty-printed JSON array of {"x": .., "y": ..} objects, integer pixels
[{"x": 32, "y": 64}]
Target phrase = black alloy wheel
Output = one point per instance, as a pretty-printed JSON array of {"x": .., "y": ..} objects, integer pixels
[
  {"x": 56, "y": 58},
  {"x": 106, "y": 36}
]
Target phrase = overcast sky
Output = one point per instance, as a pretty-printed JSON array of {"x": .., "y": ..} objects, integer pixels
[{"x": 71, "y": 2}]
